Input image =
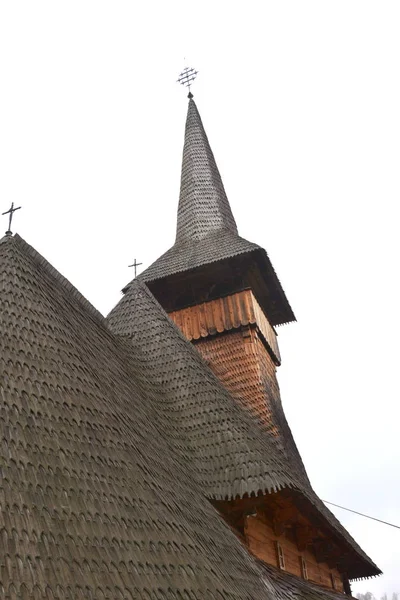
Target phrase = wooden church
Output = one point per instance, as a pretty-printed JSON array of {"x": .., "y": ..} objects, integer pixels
[{"x": 146, "y": 455}]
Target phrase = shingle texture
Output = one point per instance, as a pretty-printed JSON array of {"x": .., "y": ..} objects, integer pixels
[
  {"x": 286, "y": 585},
  {"x": 187, "y": 255},
  {"x": 95, "y": 501},
  {"x": 232, "y": 455},
  {"x": 203, "y": 205}
]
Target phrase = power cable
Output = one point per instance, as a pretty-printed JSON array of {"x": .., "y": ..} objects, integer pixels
[{"x": 361, "y": 514}]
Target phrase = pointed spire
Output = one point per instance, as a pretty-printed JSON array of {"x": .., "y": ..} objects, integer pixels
[
  {"x": 203, "y": 204},
  {"x": 206, "y": 230}
]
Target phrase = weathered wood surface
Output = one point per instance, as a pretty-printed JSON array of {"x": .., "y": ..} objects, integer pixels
[
  {"x": 235, "y": 360},
  {"x": 261, "y": 540},
  {"x": 224, "y": 314},
  {"x": 255, "y": 519}
]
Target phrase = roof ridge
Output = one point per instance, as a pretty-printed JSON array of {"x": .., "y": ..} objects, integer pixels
[{"x": 54, "y": 273}]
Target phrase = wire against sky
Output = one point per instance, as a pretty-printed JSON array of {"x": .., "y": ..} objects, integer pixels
[{"x": 361, "y": 514}]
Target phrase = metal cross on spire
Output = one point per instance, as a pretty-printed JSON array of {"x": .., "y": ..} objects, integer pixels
[
  {"x": 135, "y": 265},
  {"x": 186, "y": 78},
  {"x": 10, "y": 212}
]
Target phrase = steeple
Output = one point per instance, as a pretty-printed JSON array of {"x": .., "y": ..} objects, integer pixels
[
  {"x": 209, "y": 258},
  {"x": 203, "y": 204}
]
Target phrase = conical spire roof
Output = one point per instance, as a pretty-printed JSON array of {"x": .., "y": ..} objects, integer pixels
[
  {"x": 206, "y": 229},
  {"x": 203, "y": 205}
]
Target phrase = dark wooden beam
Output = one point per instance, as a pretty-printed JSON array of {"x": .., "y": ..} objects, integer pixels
[
  {"x": 305, "y": 536},
  {"x": 323, "y": 549},
  {"x": 346, "y": 585},
  {"x": 279, "y": 527},
  {"x": 284, "y": 517}
]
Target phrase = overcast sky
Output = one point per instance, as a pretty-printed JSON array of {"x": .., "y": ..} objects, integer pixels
[{"x": 301, "y": 103}]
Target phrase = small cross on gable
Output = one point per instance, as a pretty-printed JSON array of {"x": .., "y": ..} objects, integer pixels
[
  {"x": 135, "y": 265},
  {"x": 10, "y": 212}
]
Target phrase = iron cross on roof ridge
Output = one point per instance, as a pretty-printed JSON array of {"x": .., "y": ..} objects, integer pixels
[
  {"x": 10, "y": 212},
  {"x": 186, "y": 78},
  {"x": 135, "y": 265}
]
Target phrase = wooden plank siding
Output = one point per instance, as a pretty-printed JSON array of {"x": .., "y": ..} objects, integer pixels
[
  {"x": 224, "y": 314},
  {"x": 268, "y": 525},
  {"x": 261, "y": 541}
]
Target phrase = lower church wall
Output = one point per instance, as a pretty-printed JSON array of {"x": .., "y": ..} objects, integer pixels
[{"x": 261, "y": 541}]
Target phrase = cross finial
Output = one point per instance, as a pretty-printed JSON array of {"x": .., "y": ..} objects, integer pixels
[
  {"x": 10, "y": 212},
  {"x": 135, "y": 265},
  {"x": 186, "y": 78}
]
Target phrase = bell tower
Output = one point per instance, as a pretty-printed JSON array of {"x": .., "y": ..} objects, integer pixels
[{"x": 222, "y": 290}]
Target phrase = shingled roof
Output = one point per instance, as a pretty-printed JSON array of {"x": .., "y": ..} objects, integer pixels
[
  {"x": 232, "y": 455},
  {"x": 96, "y": 502},
  {"x": 206, "y": 229},
  {"x": 105, "y": 468},
  {"x": 203, "y": 205}
]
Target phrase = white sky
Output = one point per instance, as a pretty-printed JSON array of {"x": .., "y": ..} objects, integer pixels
[{"x": 301, "y": 102}]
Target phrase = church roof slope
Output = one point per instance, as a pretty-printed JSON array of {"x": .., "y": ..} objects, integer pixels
[
  {"x": 96, "y": 503},
  {"x": 285, "y": 584},
  {"x": 231, "y": 455}
]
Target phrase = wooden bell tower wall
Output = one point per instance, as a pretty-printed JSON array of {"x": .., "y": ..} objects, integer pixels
[{"x": 240, "y": 346}]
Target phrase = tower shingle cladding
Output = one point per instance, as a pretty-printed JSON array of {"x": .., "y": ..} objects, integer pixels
[
  {"x": 234, "y": 358},
  {"x": 203, "y": 205}
]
